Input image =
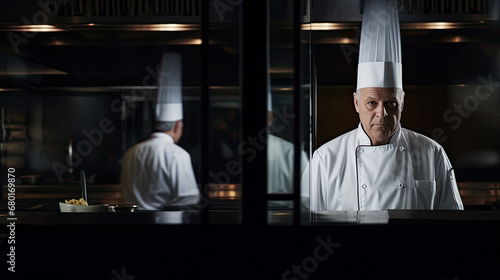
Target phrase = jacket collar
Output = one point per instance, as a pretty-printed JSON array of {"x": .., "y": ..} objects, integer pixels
[
  {"x": 364, "y": 140},
  {"x": 162, "y": 136}
]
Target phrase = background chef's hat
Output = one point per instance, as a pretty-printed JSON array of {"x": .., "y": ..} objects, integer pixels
[
  {"x": 380, "y": 46},
  {"x": 169, "y": 101}
]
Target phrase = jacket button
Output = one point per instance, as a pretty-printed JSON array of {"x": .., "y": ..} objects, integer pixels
[
  {"x": 364, "y": 186},
  {"x": 401, "y": 148},
  {"x": 400, "y": 186}
]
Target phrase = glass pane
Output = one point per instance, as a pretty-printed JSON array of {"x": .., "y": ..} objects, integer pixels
[
  {"x": 282, "y": 105},
  {"x": 457, "y": 95},
  {"x": 308, "y": 88},
  {"x": 224, "y": 158},
  {"x": 77, "y": 100},
  {"x": 290, "y": 107},
  {"x": 281, "y": 108}
]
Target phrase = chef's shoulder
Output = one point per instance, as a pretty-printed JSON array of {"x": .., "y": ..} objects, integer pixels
[
  {"x": 275, "y": 142},
  {"x": 179, "y": 152},
  {"x": 337, "y": 146},
  {"x": 161, "y": 146},
  {"x": 155, "y": 146},
  {"x": 140, "y": 147},
  {"x": 132, "y": 150},
  {"x": 421, "y": 142}
]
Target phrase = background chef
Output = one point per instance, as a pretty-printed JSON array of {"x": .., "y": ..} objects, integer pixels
[
  {"x": 157, "y": 172},
  {"x": 381, "y": 165}
]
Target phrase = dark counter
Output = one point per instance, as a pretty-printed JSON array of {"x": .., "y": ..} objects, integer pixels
[{"x": 376, "y": 245}]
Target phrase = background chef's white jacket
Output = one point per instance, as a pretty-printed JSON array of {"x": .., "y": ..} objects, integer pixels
[
  {"x": 280, "y": 164},
  {"x": 157, "y": 173},
  {"x": 410, "y": 172}
]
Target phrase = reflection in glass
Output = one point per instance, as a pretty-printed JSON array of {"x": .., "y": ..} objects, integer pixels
[
  {"x": 288, "y": 103},
  {"x": 281, "y": 156},
  {"x": 223, "y": 166}
]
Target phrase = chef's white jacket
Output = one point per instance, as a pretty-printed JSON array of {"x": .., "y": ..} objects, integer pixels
[
  {"x": 410, "y": 172},
  {"x": 280, "y": 164},
  {"x": 157, "y": 173}
]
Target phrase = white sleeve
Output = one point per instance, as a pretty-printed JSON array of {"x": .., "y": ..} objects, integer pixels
[
  {"x": 185, "y": 189},
  {"x": 304, "y": 187},
  {"x": 447, "y": 192},
  {"x": 319, "y": 179}
]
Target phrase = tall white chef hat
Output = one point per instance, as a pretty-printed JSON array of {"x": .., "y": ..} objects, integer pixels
[
  {"x": 380, "y": 46},
  {"x": 169, "y": 101}
]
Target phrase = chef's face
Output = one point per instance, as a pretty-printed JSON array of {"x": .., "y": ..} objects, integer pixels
[{"x": 379, "y": 112}]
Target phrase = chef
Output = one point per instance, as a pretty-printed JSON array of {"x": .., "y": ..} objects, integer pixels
[
  {"x": 380, "y": 165},
  {"x": 157, "y": 172}
]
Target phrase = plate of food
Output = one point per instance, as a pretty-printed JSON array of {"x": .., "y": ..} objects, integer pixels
[{"x": 80, "y": 205}]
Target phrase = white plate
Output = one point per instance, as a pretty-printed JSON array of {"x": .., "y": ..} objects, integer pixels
[{"x": 65, "y": 207}]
